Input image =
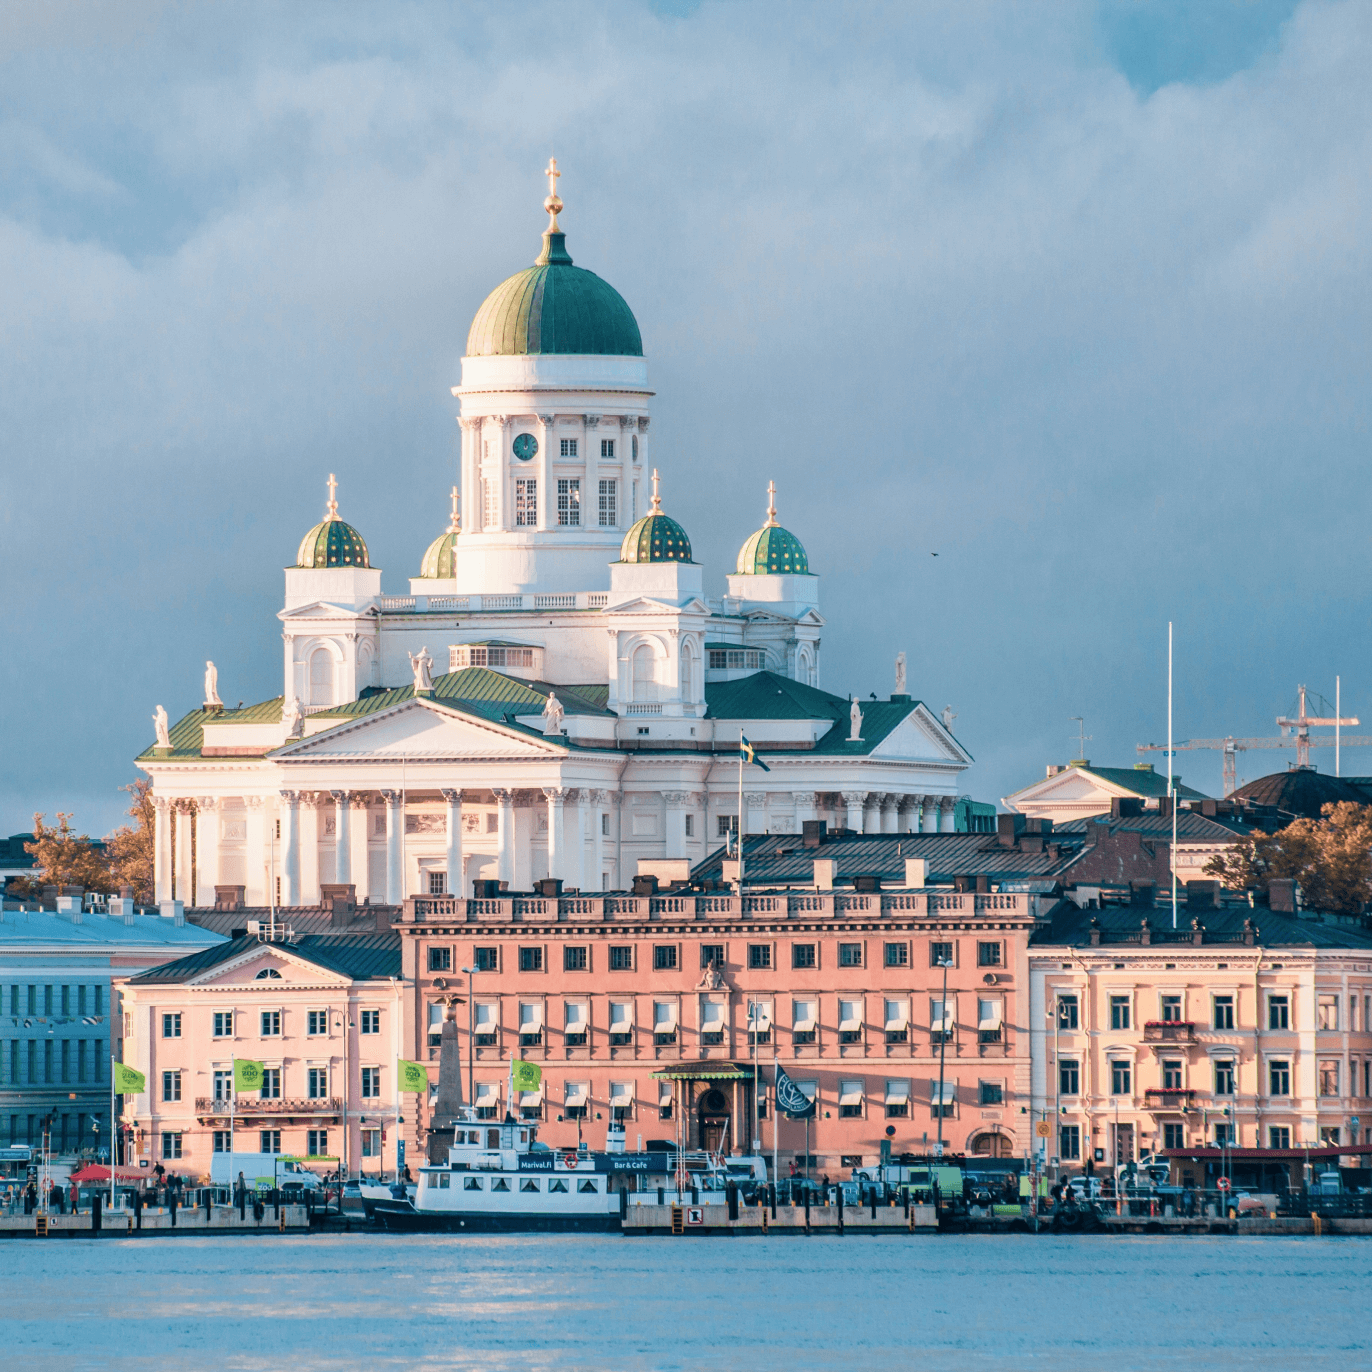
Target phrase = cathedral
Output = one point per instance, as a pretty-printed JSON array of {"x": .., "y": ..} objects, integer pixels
[{"x": 559, "y": 694}]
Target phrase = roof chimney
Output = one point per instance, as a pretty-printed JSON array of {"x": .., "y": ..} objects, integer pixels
[
  {"x": 824, "y": 874},
  {"x": 916, "y": 872}
]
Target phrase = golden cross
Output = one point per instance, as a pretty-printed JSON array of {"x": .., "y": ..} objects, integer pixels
[
  {"x": 657, "y": 500},
  {"x": 552, "y": 174},
  {"x": 552, "y": 204},
  {"x": 453, "y": 525},
  {"x": 771, "y": 502},
  {"x": 333, "y": 493}
]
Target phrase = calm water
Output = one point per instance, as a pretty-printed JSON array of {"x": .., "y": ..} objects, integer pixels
[{"x": 786, "y": 1303}]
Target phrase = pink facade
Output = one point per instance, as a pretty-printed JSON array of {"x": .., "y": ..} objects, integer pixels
[{"x": 603, "y": 994}]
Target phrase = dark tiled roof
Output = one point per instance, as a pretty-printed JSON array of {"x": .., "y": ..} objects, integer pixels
[
  {"x": 1072, "y": 926},
  {"x": 304, "y": 919},
  {"x": 358, "y": 956},
  {"x": 1141, "y": 781},
  {"x": 1300, "y": 792},
  {"x": 1191, "y": 827}
]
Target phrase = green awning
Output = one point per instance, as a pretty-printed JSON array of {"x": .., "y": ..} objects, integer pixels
[{"x": 702, "y": 1071}]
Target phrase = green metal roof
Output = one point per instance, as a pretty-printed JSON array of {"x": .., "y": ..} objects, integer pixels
[
  {"x": 440, "y": 561},
  {"x": 554, "y": 307},
  {"x": 1140, "y": 781},
  {"x": 360, "y": 956},
  {"x": 772, "y": 551},
  {"x": 656, "y": 538},
  {"x": 187, "y": 735},
  {"x": 332, "y": 544}
]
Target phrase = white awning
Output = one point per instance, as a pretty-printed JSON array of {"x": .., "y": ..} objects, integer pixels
[
  {"x": 939, "y": 1021},
  {"x": 849, "y": 1015},
  {"x": 621, "y": 1093},
  {"x": 664, "y": 1016},
  {"x": 665, "y": 1092},
  {"x": 950, "y": 1093},
  {"x": 577, "y": 1092},
  {"x": 759, "y": 1016},
  {"x": 577, "y": 1016},
  {"x": 530, "y": 1016},
  {"x": 487, "y": 1092},
  {"x": 712, "y": 1016},
  {"x": 989, "y": 1013},
  {"x": 808, "y": 1089},
  {"x": 804, "y": 1014},
  {"x": 485, "y": 1016},
  {"x": 621, "y": 1016},
  {"x": 897, "y": 1015},
  {"x": 897, "y": 1092},
  {"x": 532, "y": 1097},
  {"x": 436, "y": 1017},
  {"x": 850, "y": 1093}
]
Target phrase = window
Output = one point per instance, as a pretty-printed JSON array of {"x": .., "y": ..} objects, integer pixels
[
  {"x": 939, "y": 953},
  {"x": 1119, "y": 1012},
  {"x": 897, "y": 1100},
  {"x": 271, "y": 1084},
  {"x": 897, "y": 1022},
  {"x": 1069, "y": 1077},
  {"x": 988, "y": 954},
  {"x": 850, "y": 1100},
  {"x": 621, "y": 1023},
  {"x": 1278, "y": 1078},
  {"x": 317, "y": 1082},
  {"x": 1278, "y": 1012},
  {"x": 721, "y": 659},
  {"x": 484, "y": 1024},
  {"x": 1224, "y": 1136},
  {"x": 371, "y": 1083},
  {"x": 531, "y": 959},
  {"x": 316, "y": 1022},
  {"x": 605, "y": 828},
  {"x": 941, "y": 1021},
  {"x": 171, "y": 1146},
  {"x": 526, "y": 502},
  {"x": 316, "y": 1143},
  {"x": 1278, "y": 1136},
  {"x": 946, "y": 1105},
  {"x": 1171, "y": 1009},
  {"x": 569, "y": 447},
  {"x": 268, "y": 973},
  {"x": 1224, "y": 1077},
  {"x": 850, "y": 955},
  {"x": 802, "y": 955},
  {"x": 1326, "y": 1013},
  {"x": 269, "y": 1140},
  {"x": 223, "y": 1084},
  {"x": 574, "y": 958},
  {"x": 664, "y": 957},
  {"x": 171, "y": 1026},
  {"x": 621, "y": 1101},
  {"x": 487, "y": 959},
  {"x": 897, "y": 955},
  {"x": 1171, "y": 1075},
  {"x": 991, "y": 1093},
  {"x": 621, "y": 957},
  {"x": 1121, "y": 1078},
  {"x": 607, "y": 448},
  {"x": 711, "y": 952},
  {"x": 664, "y": 1100},
  {"x": 171, "y": 1085},
  {"x": 1224, "y": 1012},
  {"x": 850, "y": 1021},
  {"x": 568, "y": 501},
  {"x": 664, "y": 1023},
  {"x": 609, "y": 504},
  {"x": 1069, "y": 1142},
  {"x": 371, "y": 1143},
  {"x": 371, "y": 1021},
  {"x": 271, "y": 1023},
  {"x": 989, "y": 1014},
  {"x": 440, "y": 959},
  {"x": 759, "y": 955},
  {"x": 1329, "y": 1077},
  {"x": 221, "y": 1141},
  {"x": 1174, "y": 1136},
  {"x": 1068, "y": 1013},
  {"x": 530, "y": 1024}
]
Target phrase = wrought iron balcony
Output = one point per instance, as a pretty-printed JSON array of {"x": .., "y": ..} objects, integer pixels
[
  {"x": 1168, "y": 1098},
  {"x": 252, "y": 1106},
  {"x": 1169, "y": 1031}
]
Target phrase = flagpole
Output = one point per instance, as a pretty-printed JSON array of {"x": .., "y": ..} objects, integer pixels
[
  {"x": 776, "y": 1114},
  {"x": 113, "y": 1150},
  {"x": 233, "y": 1102},
  {"x": 740, "y": 820}
]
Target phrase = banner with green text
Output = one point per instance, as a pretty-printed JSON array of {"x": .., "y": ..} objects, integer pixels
[
  {"x": 413, "y": 1076},
  {"x": 127, "y": 1081},
  {"x": 527, "y": 1075},
  {"x": 247, "y": 1075}
]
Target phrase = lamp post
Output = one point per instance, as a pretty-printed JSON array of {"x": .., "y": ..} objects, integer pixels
[
  {"x": 471, "y": 1037},
  {"x": 945, "y": 963}
]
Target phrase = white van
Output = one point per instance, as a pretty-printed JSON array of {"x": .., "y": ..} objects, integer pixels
[{"x": 262, "y": 1171}]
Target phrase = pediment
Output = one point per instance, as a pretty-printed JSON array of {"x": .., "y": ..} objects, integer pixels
[
  {"x": 1069, "y": 787},
  {"x": 418, "y": 730},
  {"x": 319, "y": 609},
  {"x": 651, "y": 605},
  {"x": 268, "y": 967},
  {"x": 920, "y": 735}
]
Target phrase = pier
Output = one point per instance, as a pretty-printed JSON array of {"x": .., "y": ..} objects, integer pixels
[
  {"x": 760, "y": 1220},
  {"x": 122, "y": 1224}
]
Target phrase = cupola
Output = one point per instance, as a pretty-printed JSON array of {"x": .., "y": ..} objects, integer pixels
[
  {"x": 773, "y": 551},
  {"x": 332, "y": 543},
  {"x": 656, "y": 537},
  {"x": 440, "y": 561}
]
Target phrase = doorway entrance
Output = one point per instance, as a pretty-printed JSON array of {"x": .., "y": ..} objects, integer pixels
[
  {"x": 991, "y": 1146},
  {"x": 714, "y": 1117}
]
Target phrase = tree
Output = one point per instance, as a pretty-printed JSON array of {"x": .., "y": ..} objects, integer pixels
[
  {"x": 64, "y": 858},
  {"x": 1330, "y": 858},
  {"x": 130, "y": 847}
]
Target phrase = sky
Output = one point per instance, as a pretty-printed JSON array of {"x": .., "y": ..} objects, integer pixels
[{"x": 1074, "y": 296}]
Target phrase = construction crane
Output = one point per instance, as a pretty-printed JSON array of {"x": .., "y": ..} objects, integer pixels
[{"x": 1295, "y": 733}]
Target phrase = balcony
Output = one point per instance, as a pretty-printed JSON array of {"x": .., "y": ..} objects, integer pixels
[
  {"x": 1168, "y": 1098},
  {"x": 1169, "y": 1031},
  {"x": 253, "y": 1107}
]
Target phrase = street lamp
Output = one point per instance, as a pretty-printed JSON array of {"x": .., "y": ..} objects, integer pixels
[
  {"x": 945, "y": 963},
  {"x": 471, "y": 1038}
]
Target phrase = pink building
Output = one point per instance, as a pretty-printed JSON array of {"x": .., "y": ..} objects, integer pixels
[{"x": 321, "y": 1014}]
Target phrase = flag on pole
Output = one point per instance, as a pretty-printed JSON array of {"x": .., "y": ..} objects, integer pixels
[
  {"x": 247, "y": 1074},
  {"x": 791, "y": 1098},
  {"x": 748, "y": 754},
  {"x": 128, "y": 1082},
  {"x": 414, "y": 1076},
  {"x": 527, "y": 1075}
]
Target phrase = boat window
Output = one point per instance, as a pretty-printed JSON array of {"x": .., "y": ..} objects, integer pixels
[
  {"x": 500, "y": 1184},
  {"x": 587, "y": 1185},
  {"x": 445, "y": 1182},
  {"x": 493, "y": 1138},
  {"x": 528, "y": 1184},
  {"x": 471, "y": 1183},
  {"x": 557, "y": 1184}
]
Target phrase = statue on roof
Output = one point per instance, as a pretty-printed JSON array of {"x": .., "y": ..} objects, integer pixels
[
  {"x": 293, "y": 717},
  {"x": 855, "y": 722},
  {"x": 422, "y": 665},
  {"x": 552, "y": 714},
  {"x": 900, "y": 674},
  {"x": 160, "y": 723},
  {"x": 948, "y": 718},
  {"x": 212, "y": 686}
]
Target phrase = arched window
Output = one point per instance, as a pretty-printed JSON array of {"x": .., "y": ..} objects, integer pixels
[
  {"x": 645, "y": 673},
  {"x": 268, "y": 974},
  {"x": 805, "y": 667},
  {"x": 688, "y": 663},
  {"x": 321, "y": 677}
]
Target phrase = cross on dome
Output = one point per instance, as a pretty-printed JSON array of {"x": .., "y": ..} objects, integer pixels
[
  {"x": 771, "y": 504},
  {"x": 454, "y": 524},
  {"x": 332, "y": 484},
  {"x": 657, "y": 499},
  {"x": 552, "y": 204}
]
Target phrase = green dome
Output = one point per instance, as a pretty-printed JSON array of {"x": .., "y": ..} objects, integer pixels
[
  {"x": 554, "y": 307},
  {"x": 332, "y": 544},
  {"x": 656, "y": 538},
  {"x": 773, "y": 550},
  {"x": 441, "y": 560}
]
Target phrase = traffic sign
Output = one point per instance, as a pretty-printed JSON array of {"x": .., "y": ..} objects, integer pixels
[
  {"x": 1042, "y": 1129},
  {"x": 1222, "y": 1183}
]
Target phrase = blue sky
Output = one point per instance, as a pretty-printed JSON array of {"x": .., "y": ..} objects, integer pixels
[{"x": 1075, "y": 296}]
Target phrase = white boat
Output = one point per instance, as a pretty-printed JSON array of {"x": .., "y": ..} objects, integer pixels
[{"x": 373, "y": 1191}]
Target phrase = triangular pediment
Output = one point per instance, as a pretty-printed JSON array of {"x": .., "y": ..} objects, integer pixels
[
  {"x": 320, "y": 609},
  {"x": 651, "y": 605},
  {"x": 418, "y": 730},
  {"x": 1070, "y": 787},
  {"x": 921, "y": 735},
  {"x": 268, "y": 967}
]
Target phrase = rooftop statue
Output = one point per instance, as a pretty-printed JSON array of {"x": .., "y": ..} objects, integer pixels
[
  {"x": 159, "y": 722},
  {"x": 422, "y": 664},
  {"x": 212, "y": 685}
]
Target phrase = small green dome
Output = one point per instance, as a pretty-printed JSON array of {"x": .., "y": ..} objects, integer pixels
[
  {"x": 332, "y": 543},
  {"x": 773, "y": 550},
  {"x": 554, "y": 307},
  {"x": 656, "y": 537},
  {"x": 441, "y": 560}
]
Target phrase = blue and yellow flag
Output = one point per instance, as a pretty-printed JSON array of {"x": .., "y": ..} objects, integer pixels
[{"x": 749, "y": 755}]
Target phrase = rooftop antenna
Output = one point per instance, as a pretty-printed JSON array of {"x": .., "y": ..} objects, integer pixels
[{"x": 1083, "y": 738}]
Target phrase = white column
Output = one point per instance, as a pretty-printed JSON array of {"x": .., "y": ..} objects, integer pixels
[
  {"x": 543, "y": 464},
  {"x": 522, "y": 841},
  {"x": 754, "y": 821},
  {"x": 456, "y": 880},
  {"x": 929, "y": 815},
  {"x": 627, "y": 425},
  {"x": 677, "y": 803},
  {"x": 946, "y": 815},
  {"x": 854, "y": 800},
  {"x": 361, "y": 818},
  {"x": 288, "y": 850},
  {"x": 599, "y": 806},
  {"x": 805, "y": 808},
  {"x": 642, "y": 454},
  {"x": 206, "y": 848},
  {"x": 469, "y": 474},
  {"x": 342, "y": 864},
  {"x": 505, "y": 861},
  {"x": 890, "y": 806},
  {"x": 575, "y": 861},
  {"x": 557, "y": 796},
  {"x": 181, "y": 820},
  {"x": 395, "y": 819},
  {"x": 162, "y": 849},
  {"x": 909, "y": 815},
  {"x": 255, "y": 892},
  {"x": 310, "y": 823}
]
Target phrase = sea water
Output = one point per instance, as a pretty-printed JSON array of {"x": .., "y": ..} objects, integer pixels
[{"x": 781, "y": 1302}]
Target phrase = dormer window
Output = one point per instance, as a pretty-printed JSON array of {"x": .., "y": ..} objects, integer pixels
[{"x": 722, "y": 659}]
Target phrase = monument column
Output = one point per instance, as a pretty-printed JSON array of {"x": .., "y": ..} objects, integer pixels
[{"x": 456, "y": 880}]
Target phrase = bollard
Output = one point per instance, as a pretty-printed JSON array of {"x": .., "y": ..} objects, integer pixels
[
  {"x": 171, "y": 1206},
  {"x": 695, "y": 1194},
  {"x": 772, "y": 1196},
  {"x": 731, "y": 1194},
  {"x": 95, "y": 1213},
  {"x": 874, "y": 1202},
  {"x": 839, "y": 1200},
  {"x": 905, "y": 1200},
  {"x": 623, "y": 1204},
  {"x": 242, "y": 1203},
  {"x": 807, "y": 1209},
  {"x": 661, "y": 1200},
  {"x": 137, "y": 1209}
]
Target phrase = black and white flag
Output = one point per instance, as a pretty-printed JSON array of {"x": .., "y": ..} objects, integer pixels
[{"x": 791, "y": 1098}]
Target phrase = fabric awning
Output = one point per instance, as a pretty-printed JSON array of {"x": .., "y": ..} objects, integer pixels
[
  {"x": 989, "y": 1013},
  {"x": 804, "y": 1014},
  {"x": 530, "y": 1016},
  {"x": 703, "y": 1071},
  {"x": 621, "y": 1016},
  {"x": 850, "y": 1093},
  {"x": 532, "y": 1097},
  {"x": 622, "y": 1093},
  {"x": 485, "y": 1015},
  {"x": 577, "y": 1093},
  {"x": 849, "y": 1015},
  {"x": 712, "y": 1017},
  {"x": 577, "y": 1016},
  {"x": 759, "y": 1016},
  {"x": 950, "y": 1093},
  {"x": 897, "y": 1015},
  {"x": 897, "y": 1092},
  {"x": 664, "y": 1016},
  {"x": 939, "y": 1020},
  {"x": 487, "y": 1092}
]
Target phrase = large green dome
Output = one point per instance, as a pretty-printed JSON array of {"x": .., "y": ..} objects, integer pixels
[
  {"x": 773, "y": 551},
  {"x": 656, "y": 537},
  {"x": 332, "y": 543},
  {"x": 554, "y": 307}
]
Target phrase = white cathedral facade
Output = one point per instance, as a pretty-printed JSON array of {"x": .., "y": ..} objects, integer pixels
[{"x": 559, "y": 694}]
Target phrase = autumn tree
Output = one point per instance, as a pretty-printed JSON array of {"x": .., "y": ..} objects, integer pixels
[
  {"x": 130, "y": 847},
  {"x": 64, "y": 858},
  {"x": 1330, "y": 858}
]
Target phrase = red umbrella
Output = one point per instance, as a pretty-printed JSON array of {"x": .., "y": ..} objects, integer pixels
[{"x": 95, "y": 1172}]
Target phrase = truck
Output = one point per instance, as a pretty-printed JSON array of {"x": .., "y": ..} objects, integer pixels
[{"x": 263, "y": 1171}]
